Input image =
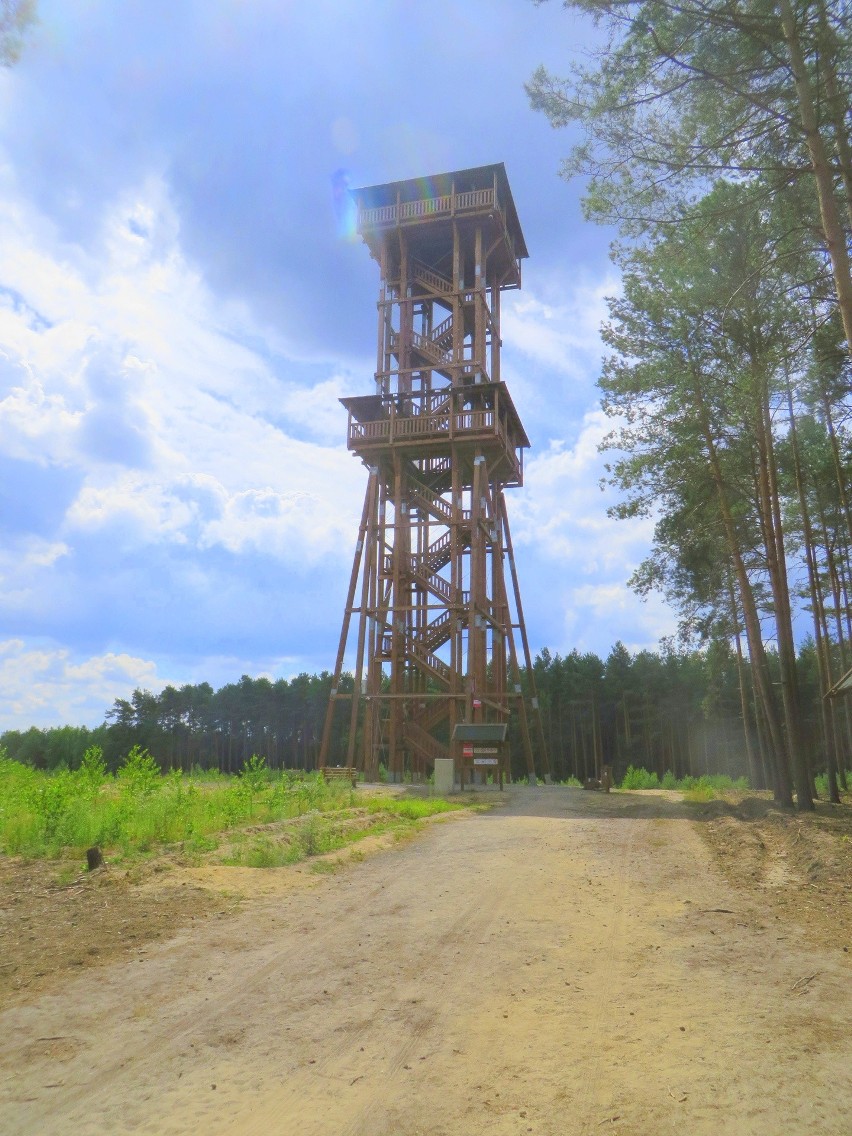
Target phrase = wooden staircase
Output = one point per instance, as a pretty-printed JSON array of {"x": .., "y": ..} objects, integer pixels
[{"x": 423, "y": 743}]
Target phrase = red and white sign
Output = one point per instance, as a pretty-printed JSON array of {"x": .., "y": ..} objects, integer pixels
[{"x": 467, "y": 751}]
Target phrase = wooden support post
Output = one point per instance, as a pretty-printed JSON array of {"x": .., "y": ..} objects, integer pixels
[
  {"x": 369, "y": 496},
  {"x": 370, "y": 511},
  {"x": 524, "y": 641}
]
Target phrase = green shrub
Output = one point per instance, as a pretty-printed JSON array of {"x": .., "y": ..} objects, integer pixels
[
  {"x": 821, "y": 781},
  {"x": 139, "y": 772},
  {"x": 92, "y": 773},
  {"x": 703, "y": 788},
  {"x": 640, "y": 779},
  {"x": 254, "y": 773}
]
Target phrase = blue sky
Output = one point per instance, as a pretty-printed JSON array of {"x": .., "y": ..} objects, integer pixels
[{"x": 179, "y": 315}]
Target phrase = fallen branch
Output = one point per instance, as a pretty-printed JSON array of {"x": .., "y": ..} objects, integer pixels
[{"x": 801, "y": 983}]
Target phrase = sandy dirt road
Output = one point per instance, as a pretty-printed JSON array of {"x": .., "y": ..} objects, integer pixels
[{"x": 569, "y": 963}]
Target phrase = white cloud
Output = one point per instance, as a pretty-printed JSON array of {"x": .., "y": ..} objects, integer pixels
[
  {"x": 25, "y": 561},
  {"x": 561, "y": 526},
  {"x": 562, "y": 334},
  {"x": 36, "y": 424},
  {"x": 617, "y": 606},
  {"x": 48, "y": 685},
  {"x": 562, "y": 510},
  {"x": 128, "y": 370}
]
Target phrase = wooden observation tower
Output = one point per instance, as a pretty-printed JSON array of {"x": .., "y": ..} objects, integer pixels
[{"x": 435, "y": 614}]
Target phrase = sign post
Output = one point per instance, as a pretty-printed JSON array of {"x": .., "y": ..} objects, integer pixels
[{"x": 482, "y": 748}]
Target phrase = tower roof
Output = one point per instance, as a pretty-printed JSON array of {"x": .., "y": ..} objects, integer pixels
[{"x": 441, "y": 185}]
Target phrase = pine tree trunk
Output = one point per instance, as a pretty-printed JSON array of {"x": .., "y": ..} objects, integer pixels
[
  {"x": 835, "y": 237},
  {"x": 754, "y": 635},
  {"x": 816, "y": 606},
  {"x": 767, "y": 487}
]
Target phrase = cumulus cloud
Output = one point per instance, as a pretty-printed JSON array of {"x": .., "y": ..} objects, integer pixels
[
  {"x": 563, "y": 335},
  {"x": 48, "y": 684},
  {"x": 563, "y": 508},
  {"x": 146, "y": 387},
  {"x": 560, "y": 522}
]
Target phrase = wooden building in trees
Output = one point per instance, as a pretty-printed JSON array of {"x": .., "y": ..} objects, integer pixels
[{"x": 431, "y": 610}]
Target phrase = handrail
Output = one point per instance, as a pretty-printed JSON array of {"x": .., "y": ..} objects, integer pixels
[
  {"x": 435, "y": 554},
  {"x": 419, "y": 652},
  {"x": 421, "y": 739},
  {"x": 408, "y": 426},
  {"x": 444, "y": 328},
  {"x": 428, "y": 347},
  {"x": 361, "y": 431},
  {"x": 437, "y": 583},
  {"x": 433, "y": 501},
  {"x": 427, "y": 207},
  {"x": 425, "y": 656},
  {"x": 437, "y": 465},
  {"x": 437, "y": 632},
  {"x": 429, "y": 277}
]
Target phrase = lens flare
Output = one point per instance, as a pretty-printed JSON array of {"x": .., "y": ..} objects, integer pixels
[{"x": 345, "y": 211}]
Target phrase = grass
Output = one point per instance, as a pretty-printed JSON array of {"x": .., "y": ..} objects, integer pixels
[
  {"x": 139, "y": 810},
  {"x": 706, "y": 788},
  {"x": 821, "y": 782},
  {"x": 703, "y": 788},
  {"x": 318, "y": 833}
]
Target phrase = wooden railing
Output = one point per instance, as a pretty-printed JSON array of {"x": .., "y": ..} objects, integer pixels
[
  {"x": 422, "y": 654},
  {"x": 427, "y": 207},
  {"x": 419, "y": 425},
  {"x": 423, "y": 497},
  {"x": 420, "y": 740},
  {"x": 444, "y": 330},
  {"x": 438, "y": 552},
  {"x": 430, "y": 278},
  {"x": 438, "y": 631},
  {"x": 369, "y": 431},
  {"x": 432, "y": 467},
  {"x": 438, "y": 584},
  {"x": 429, "y": 348},
  {"x": 475, "y": 199},
  {"x": 422, "y": 343},
  {"x": 477, "y": 420},
  {"x": 426, "y": 659}
]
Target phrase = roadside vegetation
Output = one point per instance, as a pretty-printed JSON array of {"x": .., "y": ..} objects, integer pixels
[
  {"x": 138, "y": 810},
  {"x": 703, "y": 788},
  {"x": 706, "y": 787}
]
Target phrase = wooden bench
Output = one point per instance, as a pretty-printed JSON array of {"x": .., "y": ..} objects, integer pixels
[
  {"x": 605, "y": 783},
  {"x": 340, "y": 773}
]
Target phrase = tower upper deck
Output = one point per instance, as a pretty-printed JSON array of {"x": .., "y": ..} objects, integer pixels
[{"x": 429, "y": 207}]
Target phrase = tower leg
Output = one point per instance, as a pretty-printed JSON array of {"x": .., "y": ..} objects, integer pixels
[
  {"x": 347, "y": 616},
  {"x": 525, "y": 643},
  {"x": 516, "y": 679},
  {"x": 370, "y": 530}
]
